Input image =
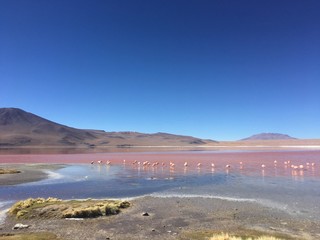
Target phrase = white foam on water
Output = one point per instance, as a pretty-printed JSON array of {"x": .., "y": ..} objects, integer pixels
[
  {"x": 4, "y": 208},
  {"x": 232, "y": 199},
  {"x": 53, "y": 175}
]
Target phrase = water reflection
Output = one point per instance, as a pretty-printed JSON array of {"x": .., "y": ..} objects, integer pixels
[{"x": 275, "y": 182}]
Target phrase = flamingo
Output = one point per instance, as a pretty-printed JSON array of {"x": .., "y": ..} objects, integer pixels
[
  {"x": 199, "y": 165},
  {"x": 108, "y": 162},
  {"x": 263, "y": 166},
  {"x": 228, "y": 166},
  {"x": 295, "y": 167},
  {"x": 212, "y": 165},
  {"x": 185, "y": 164},
  {"x": 92, "y": 162}
]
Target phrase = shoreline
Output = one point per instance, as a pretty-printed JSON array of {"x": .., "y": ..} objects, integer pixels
[{"x": 29, "y": 172}]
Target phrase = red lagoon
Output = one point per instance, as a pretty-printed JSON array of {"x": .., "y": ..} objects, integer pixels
[{"x": 277, "y": 163}]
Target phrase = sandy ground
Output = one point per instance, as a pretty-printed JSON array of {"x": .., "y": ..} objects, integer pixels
[
  {"x": 176, "y": 218},
  {"x": 29, "y": 173}
]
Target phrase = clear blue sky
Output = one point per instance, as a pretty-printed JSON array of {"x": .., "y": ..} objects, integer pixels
[{"x": 219, "y": 69}]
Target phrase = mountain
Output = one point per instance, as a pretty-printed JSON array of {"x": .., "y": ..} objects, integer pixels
[
  {"x": 19, "y": 128},
  {"x": 268, "y": 136}
]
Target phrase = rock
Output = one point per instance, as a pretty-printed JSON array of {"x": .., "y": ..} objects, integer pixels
[
  {"x": 20, "y": 226},
  {"x": 145, "y": 214}
]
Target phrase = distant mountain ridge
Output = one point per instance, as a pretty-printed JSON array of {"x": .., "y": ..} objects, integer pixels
[
  {"x": 20, "y": 128},
  {"x": 268, "y": 136}
]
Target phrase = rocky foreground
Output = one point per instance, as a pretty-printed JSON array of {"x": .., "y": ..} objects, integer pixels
[{"x": 152, "y": 218}]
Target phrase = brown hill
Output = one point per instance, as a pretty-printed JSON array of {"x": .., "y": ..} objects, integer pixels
[
  {"x": 22, "y": 129},
  {"x": 268, "y": 136}
]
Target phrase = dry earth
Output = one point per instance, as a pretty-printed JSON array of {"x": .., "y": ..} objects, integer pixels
[{"x": 177, "y": 218}]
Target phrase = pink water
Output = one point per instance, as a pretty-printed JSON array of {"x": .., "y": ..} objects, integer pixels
[
  {"x": 274, "y": 163},
  {"x": 291, "y": 184}
]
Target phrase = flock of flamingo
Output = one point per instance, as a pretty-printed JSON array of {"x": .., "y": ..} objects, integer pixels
[{"x": 172, "y": 165}]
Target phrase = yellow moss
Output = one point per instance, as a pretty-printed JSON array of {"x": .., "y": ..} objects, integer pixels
[
  {"x": 226, "y": 236},
  {"x": 111, "y": 210},
  {"x": 21, "y": 213},
  {"x": 29, "y": 236},
  {"x": 8, "y": 171},
  {"x": 20, "y": 208},
  {"x": 124, "y": 204},
  {"x": 56, "y": 208},
  {"x": 88, "y": 212}
]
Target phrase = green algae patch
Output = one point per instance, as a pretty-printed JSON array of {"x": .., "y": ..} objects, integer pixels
[{"x": 53, "y": 208}]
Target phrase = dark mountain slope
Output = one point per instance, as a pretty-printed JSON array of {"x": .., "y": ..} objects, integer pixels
[{"x": 19, "y": 128}]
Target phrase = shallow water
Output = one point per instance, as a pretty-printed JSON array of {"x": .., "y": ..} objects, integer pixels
[{"x": 277, "y": 185}]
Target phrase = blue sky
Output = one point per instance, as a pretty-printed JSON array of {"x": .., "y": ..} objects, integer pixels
[{"x": 219, "y": 69}]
